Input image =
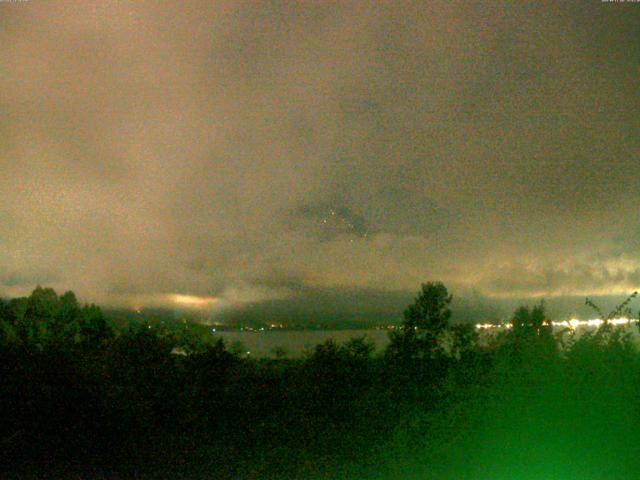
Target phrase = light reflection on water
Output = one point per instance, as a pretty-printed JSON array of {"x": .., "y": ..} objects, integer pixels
[{"x": 296, "y": 342}]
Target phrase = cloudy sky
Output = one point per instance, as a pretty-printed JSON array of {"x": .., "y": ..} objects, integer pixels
[{"x": 228, "y": 153}]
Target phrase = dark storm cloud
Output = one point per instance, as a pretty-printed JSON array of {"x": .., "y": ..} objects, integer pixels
[
  {"x": 328, "y": 221},
  {"x": 587, "y": 279},
  {"x": 153, "y": 148},
  {"x": 27, "y": 279},
  {"x": 325, "y": 306},
  {"x": 391, "y": 209}
]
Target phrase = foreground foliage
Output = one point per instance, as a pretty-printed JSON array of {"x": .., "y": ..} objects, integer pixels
[{"x": 80, "y": 400}]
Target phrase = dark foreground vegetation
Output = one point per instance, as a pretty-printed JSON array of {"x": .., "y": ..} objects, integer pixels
[{"x": 82, "y": 400}]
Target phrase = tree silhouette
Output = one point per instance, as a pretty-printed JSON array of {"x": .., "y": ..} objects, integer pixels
[
  {"x": 531, "y": 338},
  {"x": 43, "y": 319},
  {"x": 531, "y": 322},
  {"x": 35, "y": 325},
  {"x": 424, "y": 323}
]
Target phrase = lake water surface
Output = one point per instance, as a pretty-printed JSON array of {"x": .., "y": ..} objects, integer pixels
[{"x": 296, "y": 342}]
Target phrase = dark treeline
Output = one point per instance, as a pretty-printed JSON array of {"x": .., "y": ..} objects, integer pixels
[{"x": 82, "y": 399}]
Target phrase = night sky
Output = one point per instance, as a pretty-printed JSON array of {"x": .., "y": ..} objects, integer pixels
[{"x": 230, "y": 154}]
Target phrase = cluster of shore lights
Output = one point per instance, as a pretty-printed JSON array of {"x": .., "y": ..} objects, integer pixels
[{"x": 572, "y": 323}]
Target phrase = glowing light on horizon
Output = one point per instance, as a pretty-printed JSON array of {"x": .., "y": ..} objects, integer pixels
[
  {"x": 486, "y": 326},
  {"x": 193, "y": 300},
  {"x": 572, "y": 323}
]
